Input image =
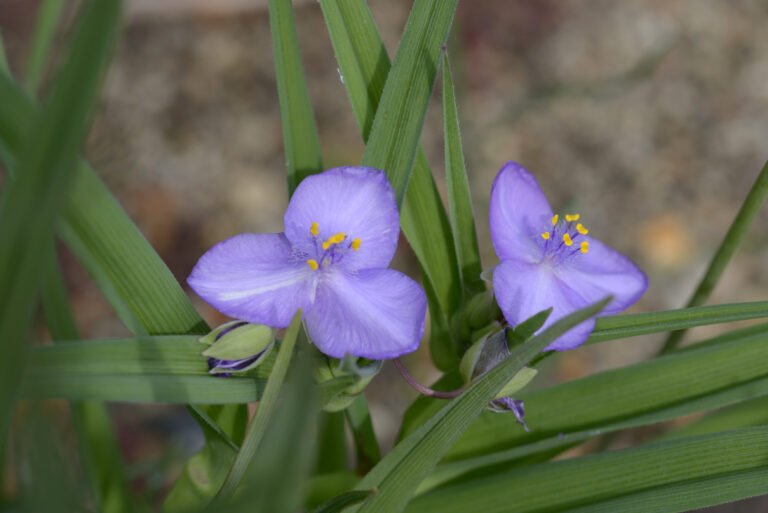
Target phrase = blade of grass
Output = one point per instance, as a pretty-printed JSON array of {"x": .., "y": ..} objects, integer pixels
[
  {"x": 359, "y": 418},
  {"x": 545, "y": 448},
  {"x": 30, "y": 202},
  {"x": 303, "y": 156},
  {"x": 398, "y": 475},
  {"x": 3, "y": 58},
  {"x": 728, "y": 246},
  {"x": 459, "y": 196},
  {"x": 617, "y": 395},
  {"x": 396, "y": 130},
  {"x": 45, "y": 29},
  {"x": 364, "y": 64},
  {"x": 267, "y": 407},
  {"x": 631, "y": 325},
  {"x": 99, "y": 452},
  {"x": 276, "y": 479},
  {"x": 588, "y": 480}
]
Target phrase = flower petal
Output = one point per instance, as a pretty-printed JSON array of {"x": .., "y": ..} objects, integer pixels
[
  {"x": 603, "y": 272},
  {"x": 356, "y": 201},
  {"x": 519, "y": 213},
  {"x": 253, "y": 277},
  {"x": 523, "y": 289},
  {"x": 375, "y": 313}
]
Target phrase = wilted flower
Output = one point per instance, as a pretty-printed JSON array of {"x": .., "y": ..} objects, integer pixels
[
  {"x": 548, "y": 260},
  {"x": 341, "y": 231}
]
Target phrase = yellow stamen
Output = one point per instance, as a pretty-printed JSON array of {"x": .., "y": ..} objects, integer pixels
[
  {"x": 312, "y": 263},
  {"x": 356, "y": 244},
  {"x": 545, "y": 235},
  {"x": 585, "y": 247},
  {"x": 580, "y": 228},
  {"x": 567, "y": 239},
  {"x": 334, "y": 239},
  {"x": 572, "y": 217},
  {"x": 314, "y": 229},
  {"x": 555, "y": 219}
]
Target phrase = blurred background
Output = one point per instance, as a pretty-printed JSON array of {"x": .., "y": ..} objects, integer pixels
[{"x": 648, "y": 117}]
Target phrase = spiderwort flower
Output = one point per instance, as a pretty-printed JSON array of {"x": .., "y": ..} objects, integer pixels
[
  {"x": 548, "y": 260},
  {"x": 341, "y": 231}
]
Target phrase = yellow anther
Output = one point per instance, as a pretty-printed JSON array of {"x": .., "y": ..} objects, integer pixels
[
  {"x": 312, "y": 263},
  {"x": 555, "y": 219},
  {"x": 572, "y": 217},
  {"x": 545, "y": 235},
  {"x": 334, "y": 239},
  {"x": 356, "y": 243},
  {"x": 580, "y": 228},
  {"x": 314, "y": 229},
  {"x": 567, "y": 239},
  {"x": 584, "y": 246}
]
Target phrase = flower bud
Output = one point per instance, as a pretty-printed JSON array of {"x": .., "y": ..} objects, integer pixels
[{"x": 237, "y": 346}]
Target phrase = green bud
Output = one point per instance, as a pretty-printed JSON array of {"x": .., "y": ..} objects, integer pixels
[{"x": 242, "y": 342}]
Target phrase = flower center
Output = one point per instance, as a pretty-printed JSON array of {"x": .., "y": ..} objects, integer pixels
[
  {"x": 560, "y": 239},
  {"x": 332, "y": 249}
]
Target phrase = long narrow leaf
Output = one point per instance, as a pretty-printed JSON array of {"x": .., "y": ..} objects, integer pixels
[
  {"x": 30, "y": 202},
  {"x": 396, "y": 131},
  {"x": 364, "y": 66},
  {"x": 302, "y": 144},
  {"x": 398, "y": 475},
  {"x": 728, "y": 246},
  {"x": 617, "y": 395},
  {"x": 99, "y": 451},
  {"x": 48, "y": 15},
  {"x": 459, "y": 197},
  {"x": 632, "y": 325},
  {"x": 585, "y": 481},
  {"x": 267, "y": 408}
]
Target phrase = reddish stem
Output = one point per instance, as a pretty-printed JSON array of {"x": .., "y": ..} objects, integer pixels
[{"x": 424, "y": 390}]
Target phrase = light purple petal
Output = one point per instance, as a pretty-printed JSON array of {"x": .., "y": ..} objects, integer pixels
[
  {"x": 603, "y": 272},
  {"x": 519, "y": 213},
  {"x": 253, "y": 277},
  {"x": 376, "y": 313},
  {"x": 357, "y": 201},
  {"x": 523, "y": 290}
]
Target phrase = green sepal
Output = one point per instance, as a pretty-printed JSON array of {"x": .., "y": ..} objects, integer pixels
[
  {"x": 518, "y": 382},
  {"x": 344, "y": 397},
  {"x": 242, "y": 342},
  {"x": 470, "y": 358},
  {"x": 210, "y": 338},
  {"x": 527, "y": 328}
]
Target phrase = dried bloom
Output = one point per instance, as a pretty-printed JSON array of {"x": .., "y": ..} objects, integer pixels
[
  {"x": 341, "y": 232},
  {"x": 548, "y": 260}
]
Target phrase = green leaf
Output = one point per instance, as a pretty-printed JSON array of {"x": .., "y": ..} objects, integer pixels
[
  {"x": 596, "y": 401},
  {"x": 582, "y": 482},
  {"x": 303, "y": 156},
  {"x": 29, "y": 204},
  {"x": 396, "y": 131},
  {"x": 267, "y": 407},
  {"x": 142, "y": 388},
  {"x": 3, "y": 58},
  {"x": 725, "y": 251},
  {"x": 631, "y": 325},
  {"x": 278, "y": 477},
  {"x": 459, "y": 196},
  {"x": 45, "y": 29},
  {"x": 359, "y": 418},
  {"x": 343, "y": 501},
  {"x": 398, "y": 475},
  {"x": 745, "y": 414},
  {"x": 364, "y": 66},
  {"x": 96, "y": 440}
]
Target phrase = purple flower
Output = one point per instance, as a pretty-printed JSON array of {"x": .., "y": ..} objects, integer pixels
[
  {"x": 547, "y": 260},
  {"x": 341, "y": 231},
  {"x": 508, "y": 404}
]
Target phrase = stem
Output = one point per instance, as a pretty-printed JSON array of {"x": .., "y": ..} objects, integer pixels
[{"x": 424, "y": 390}]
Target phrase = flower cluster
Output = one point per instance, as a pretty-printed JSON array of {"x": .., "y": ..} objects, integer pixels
[{"x": 341, "y": 232}]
